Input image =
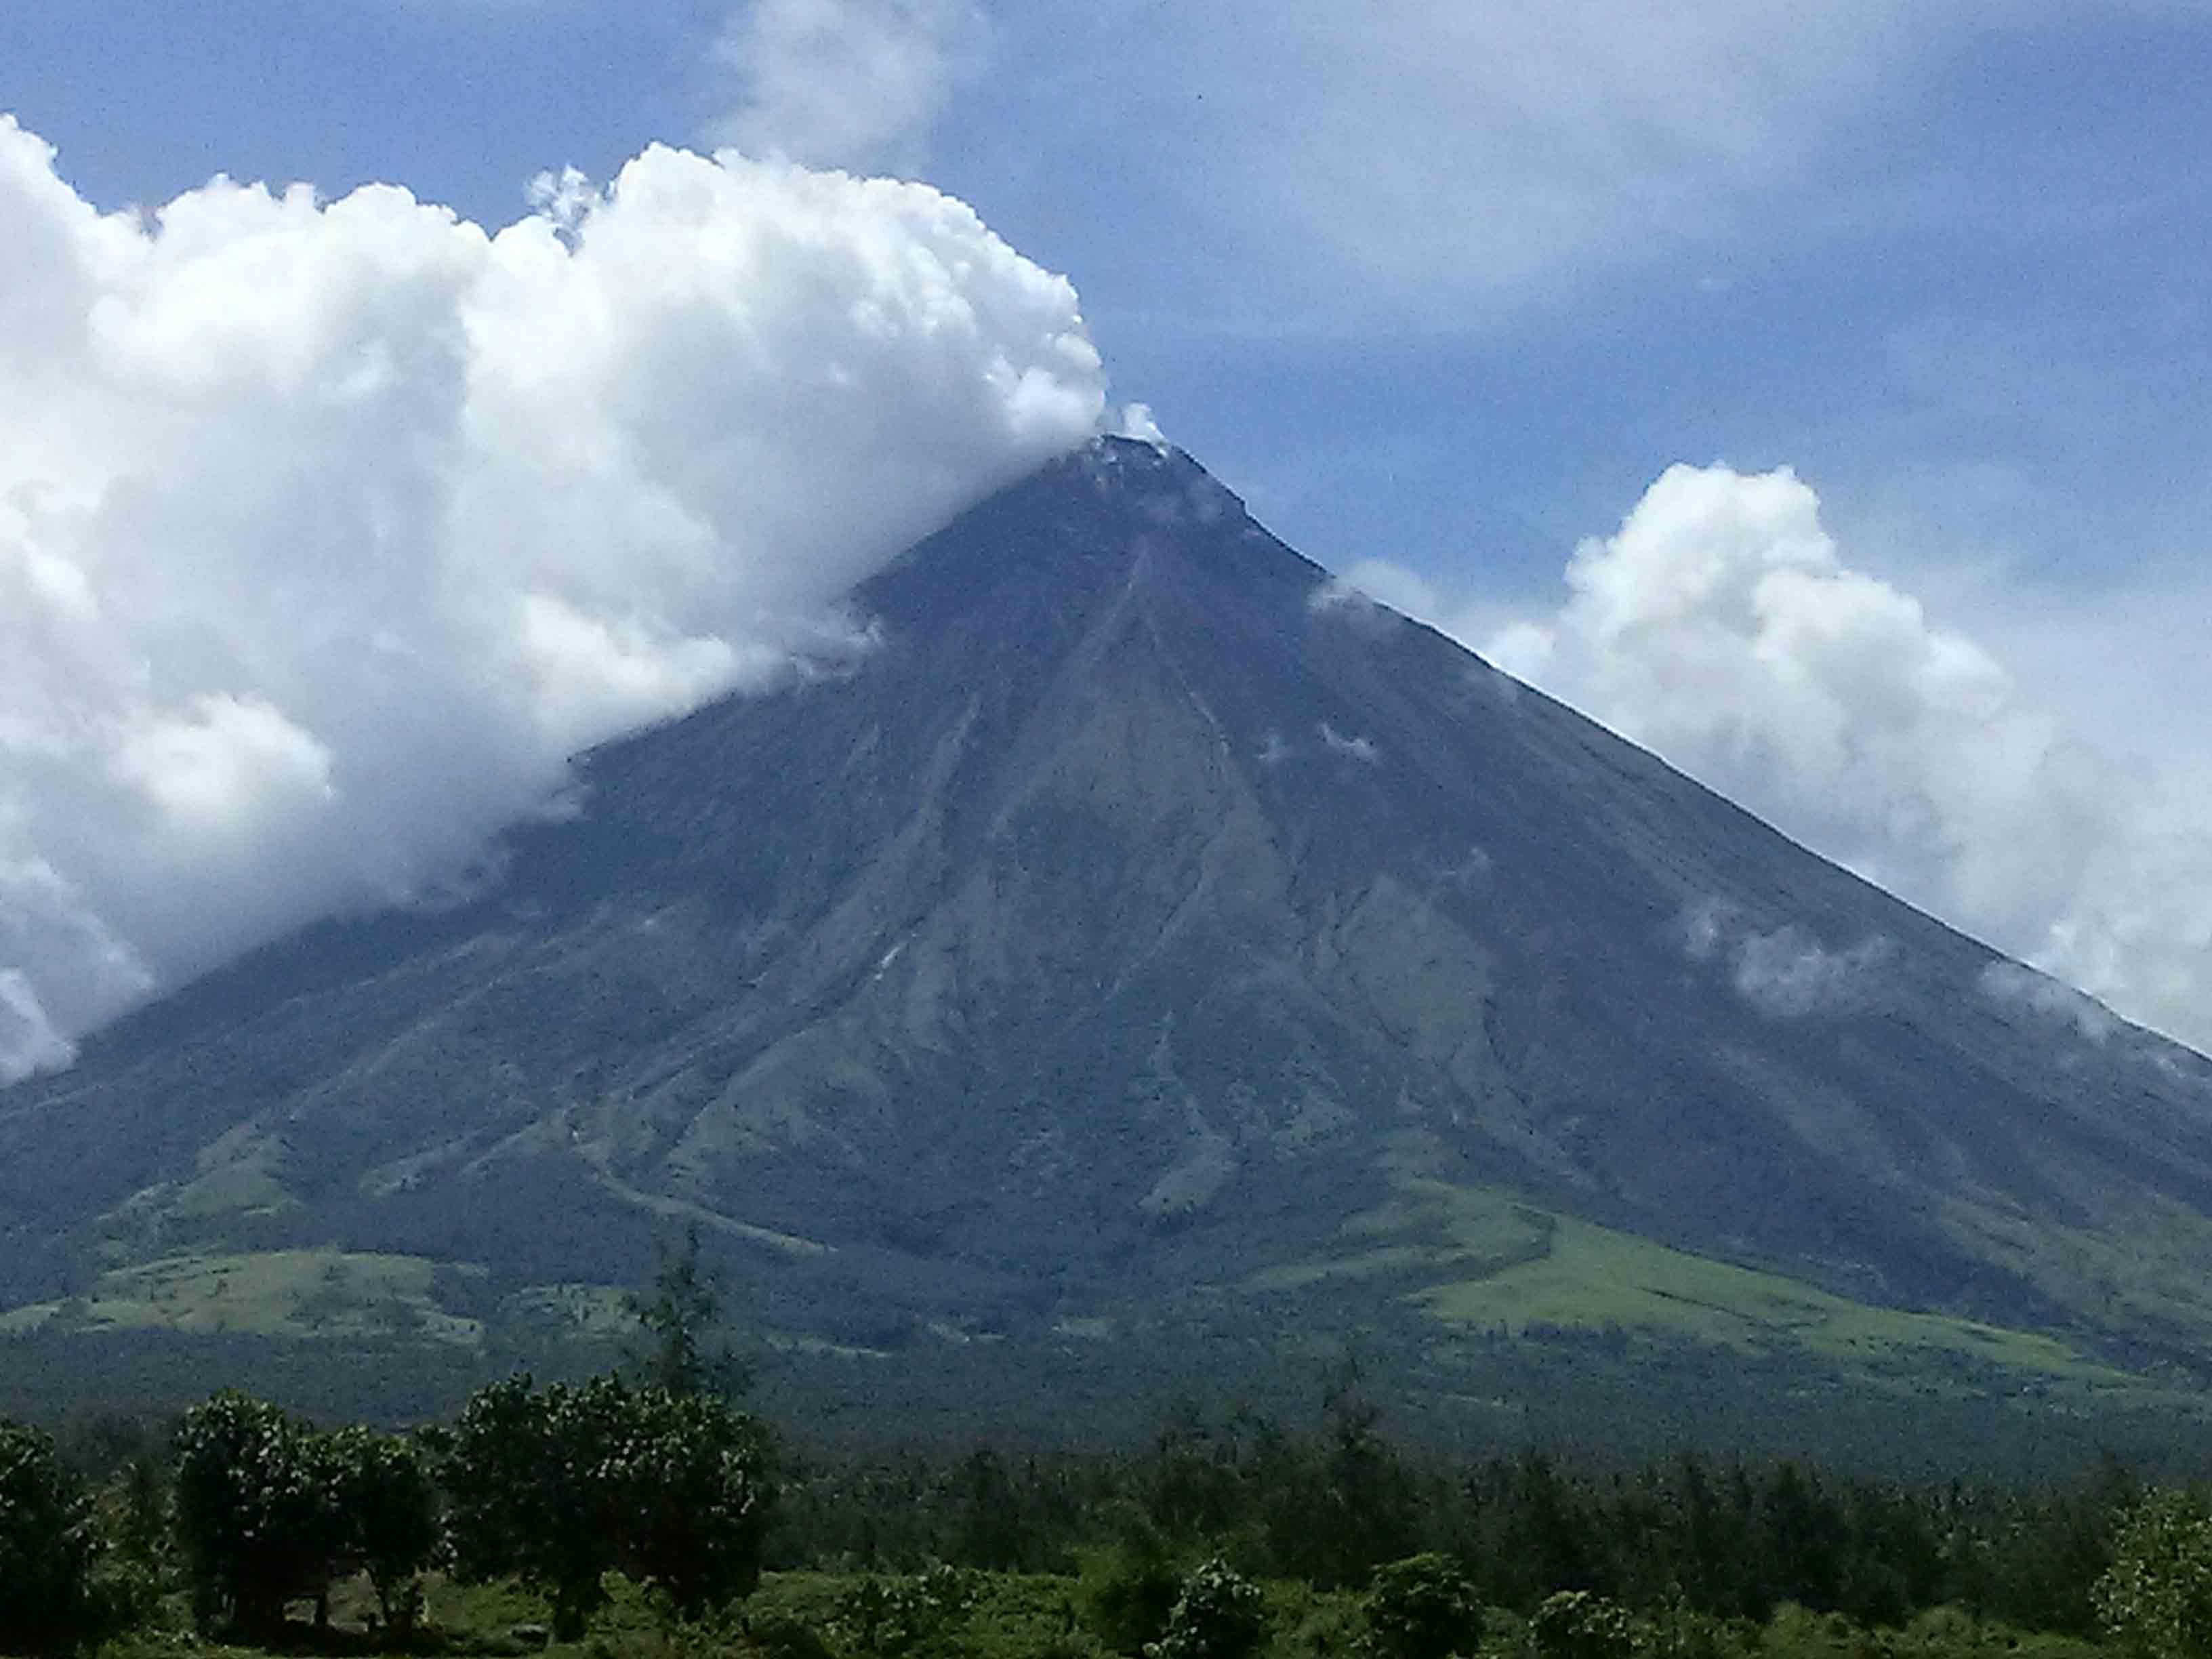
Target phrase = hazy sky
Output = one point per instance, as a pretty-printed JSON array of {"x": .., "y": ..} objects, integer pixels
[{"x": 1446, "y": 289}]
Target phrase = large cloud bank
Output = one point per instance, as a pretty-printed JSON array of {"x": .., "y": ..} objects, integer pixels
[
  {"x": 1721, "y": 627},
  {"x": 328, "y": 531}
]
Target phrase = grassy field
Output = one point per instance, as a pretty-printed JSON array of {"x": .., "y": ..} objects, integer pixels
[
  {"x": 1484, "y": 1259},
  {"x": 290, "y": 1294}
]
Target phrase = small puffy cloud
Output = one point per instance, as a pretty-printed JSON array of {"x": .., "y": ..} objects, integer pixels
[
  {"x": 1704, "y": 927},
  {"x": 1136, "y": 422},
  {"x": 1393, "y": 585},
  {"x": 28, "y": 1041},
  {"x": 1783, "y": 972},
  {"x": 1721, "y": 627},
  {"x": 1789, "y": 973},
  {"x": 848, "y": 83},
  {"x": 1350, "y": 745},
  {"x": 2017, "y": 986},
  {"x": 329, "y": 530},
  {"x": 1345, "y": 603}
]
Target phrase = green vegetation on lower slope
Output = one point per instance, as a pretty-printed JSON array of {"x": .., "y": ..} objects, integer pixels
[
  {"x": 633, "y": 1516},
  {"x": 325, "y": 1294},
  {"x": 1483, "y": 1258}
]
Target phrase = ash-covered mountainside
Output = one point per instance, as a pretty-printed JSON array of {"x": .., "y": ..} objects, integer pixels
[{"x": 1145, "y": 911}]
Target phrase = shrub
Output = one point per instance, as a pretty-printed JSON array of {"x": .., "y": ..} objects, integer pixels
[
  {"x": 2156, "y": 1597},
  {"x": 1578, "y": 1625},
  {"x": 1130, "y": 1589},
  {"x": 781, "y": 1635},
  {"x": 47, "y": 1547},
  {"x": 896, "y": 1617},
  {"x": 1218, "y": 1614},
  {"x": 1424, "y": 1606}
]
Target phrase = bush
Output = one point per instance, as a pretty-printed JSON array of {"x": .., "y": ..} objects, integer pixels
[
  {"x": 47, "y": 1547},
  {"x": 781, "y": 1635},
  {"x": 2156, "y": 1597},
  {"x": 1218, "y": 1614},
  {"x": 1424, "y": 1606},
  {"x": 918, "y": 1614},
  {"x": 1577, "y": 1624},
  {"x": 1129, "y": 1589}
]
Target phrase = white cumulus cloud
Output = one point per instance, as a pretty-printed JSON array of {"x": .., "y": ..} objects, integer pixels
[
  {"x": 328, "y": 530},
  {"x": 851, "y": 83},
  {"x": 1790, "y": 973},
  {"x": 1721, "y": 627}
]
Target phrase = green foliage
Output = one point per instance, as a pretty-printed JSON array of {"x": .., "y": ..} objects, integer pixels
[
  {"x": 1218, "y": 1614},
  {"x": 1577, "y": 1624},
  {"x": 47, "y": 1547},
  {"x": 268, "y": 1509},
  {"x": 1424, "y": 1606},
  {"x": 388, "y": 1506},
  {"x": 779, "y": 1636},
  {"x": 685, "y": 1303},
  {"x": 564, "y": 1484},
  {"x": 905, "y": 1618},
  {"x": 257, "y": 1511},
  {"x": 2156, "y": 1597},
  {"x": 1360, "y": 1511},
  {"x": 1130, "y": 1589}
]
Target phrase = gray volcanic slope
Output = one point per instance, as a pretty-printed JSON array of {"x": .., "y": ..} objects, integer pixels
[{"x": 1143, "y": 912}]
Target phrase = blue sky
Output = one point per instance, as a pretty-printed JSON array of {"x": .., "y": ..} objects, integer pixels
[
  {"x": 1445, "y": 288},
  {"x": 1964, "y": 259}
]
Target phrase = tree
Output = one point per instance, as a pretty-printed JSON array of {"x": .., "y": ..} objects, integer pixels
[
  {"x": 1361, "y": 1511},
  {"x": 1423, "y": 1607},
  {"x": 563, "y": 1485},
  {"x": 516, "y": 1466},
  {"x": 1579, "y": 1625},
  {"x": 685, "y": 1303},
  {"x": 2156, "y": 1597},
  {"x": 388, "y": 1512},
  {"x": 1218, "y": 1614},
  {"x": 257, "y": 1511},
  {"x": 697, "y": 1489},
  {"x": 47, "y": 1547}
]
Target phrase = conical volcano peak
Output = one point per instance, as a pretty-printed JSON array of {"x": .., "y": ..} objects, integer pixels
[
  {"x": 1086, "y": 524},
  {"x": 1155, "y": 478}
]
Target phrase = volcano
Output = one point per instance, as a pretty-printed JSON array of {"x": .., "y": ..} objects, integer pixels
[{"x": 1147, "y": 920}]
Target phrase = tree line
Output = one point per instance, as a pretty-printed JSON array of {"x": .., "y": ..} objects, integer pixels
[{"x": 658, "y": 1477}]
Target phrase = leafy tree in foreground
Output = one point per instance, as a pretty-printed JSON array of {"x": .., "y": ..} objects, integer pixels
[
  {"x": 257, "y": 1511},
  {"x": 1218, "y": 1615},
  {"x": 562, "y": 1486},
  {"x": 269, "y": 1510},
  {"x": 1577, "y": 1624},
  {"x": 387, "y": 1508},
  {"x": 2156, "y": 1597},
  {"x": 46, "y": 1547}
]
